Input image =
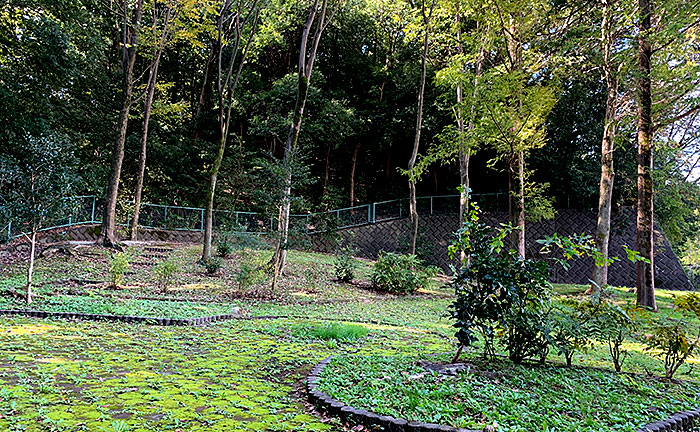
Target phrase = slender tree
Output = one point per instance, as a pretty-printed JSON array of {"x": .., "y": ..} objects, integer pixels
[
  {"x": 318, "y": 16},
  {"x": 426, "y": 16},
  {"x": 645, "y": 163},
  {"x": 163, "y": 23},
  {"x": 131, "y": 15},
  {"x": 38, "y": 181},
  {"x": 611, "y": 67},
  {"x": 232, "y": 22}
]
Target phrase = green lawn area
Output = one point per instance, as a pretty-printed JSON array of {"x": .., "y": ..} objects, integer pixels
[{"x": 60, "y": 375}]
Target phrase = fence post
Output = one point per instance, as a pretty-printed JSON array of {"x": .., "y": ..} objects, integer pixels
[
  {"x": 431, "y": 205},
  {"x": 308, "y": 222},
  {"x": 337, "y": 218},
  {"x": 9, "y": 231},
  {"x": 374, "y": 213},
  {"x": 165, "y": 217},
  {"x": 92, "y": 214},
  {"x": 201, "y": 220}
]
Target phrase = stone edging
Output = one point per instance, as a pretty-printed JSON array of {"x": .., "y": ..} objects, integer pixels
[
  {"x": 685, "y": 421},
  {"x": 123, "y": 318},
  {"x": 349, "y": 414}
]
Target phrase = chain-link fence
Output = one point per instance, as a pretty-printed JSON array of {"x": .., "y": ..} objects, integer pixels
[{"x": 89, "y": 209}]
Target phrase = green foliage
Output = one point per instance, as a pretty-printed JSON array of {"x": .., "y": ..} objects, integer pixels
[
  {"x": 516, "y": 397},
  {"x": 35, "y": 182},
  {"x": 345, "y": 264},
  {"x": 251, "y": 269},
  {"x": 568, "y": 333},
  {"x": 117, "y": 267},
  {"x": 331, "y": 331},
  {"x": 400, "y": 274},
  {"x": 213, "y": 265},
  {"x": 499, "y": 294},
  {"x": 165, "y": 272},
  {"x": 670, "y": 340},
  {"x": 224, "y": 248},
  {"x": 612, "y": 324}
]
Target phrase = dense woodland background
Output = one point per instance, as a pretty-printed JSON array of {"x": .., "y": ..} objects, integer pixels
[{"x": 62, "y": 76}]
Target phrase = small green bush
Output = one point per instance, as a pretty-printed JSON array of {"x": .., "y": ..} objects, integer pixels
[
  {"x": 117, "y": 267},
  {"x": 345, "y": 264},
  {"x": 400, "y": 274},
  {"x": 214, "y": 265},
  {"x": 251, "y": 270},
  {"x": 224, "y": 248},
  {"x": 313, "y": 277},
  {"x": 671, "y": 339},
  {"x": 671, "y": 342},
  {"x": 165, "y": 272}
]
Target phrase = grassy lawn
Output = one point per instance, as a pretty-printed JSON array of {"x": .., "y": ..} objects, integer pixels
[{"x": 58, "y": 375}]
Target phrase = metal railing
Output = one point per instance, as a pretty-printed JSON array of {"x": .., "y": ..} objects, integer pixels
[{"x": 88, "y": 210}]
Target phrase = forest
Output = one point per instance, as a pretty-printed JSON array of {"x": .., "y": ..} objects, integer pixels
[
  {"x": 294, "y": 106},
  {"x": 289, "y": 114}
]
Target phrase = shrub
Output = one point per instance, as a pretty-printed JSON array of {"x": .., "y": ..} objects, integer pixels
[
  {"x": 611, "y": 324},
  {"x": 671, "y": 342},
  {"x": 345, "y": 264},
  {"x": 671, "y": 338},
  {"x": 224, "y": 248},
  {"x": 117, "y": 267},
  {"x": 567, "y": 330},
  {"x": 213, "y": 265},
  {"x": 165, "y": 272},
  {"x": 499, "y": 294},
  {"x": 313, "y": 277},
  {"x": 251, "y": 270},
  {"x": 400, "y": 274}
]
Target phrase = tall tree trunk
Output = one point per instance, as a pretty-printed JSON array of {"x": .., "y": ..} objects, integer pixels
[
  {"x": 148, "y": 105},
  {"x": 226, "y": 84},
  {"x": 280, "y": 257},
  {"x": 516, "y": 200},
  {"x": 307, "y": 57},
  {"x": 464, "y": 152},
  {"x": 645, "y": 164},
  {"x": 108, "y": 236},
  {"x": 30, "y": 270},
  {"x": 413, "y": 204},
  {"x": 516, "y": 160},
  {"x": 607, "y": 174},
  {"x": 353, "y": 167}
]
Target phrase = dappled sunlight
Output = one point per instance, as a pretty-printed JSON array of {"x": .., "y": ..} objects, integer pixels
[{"x": 30, "y": 329}]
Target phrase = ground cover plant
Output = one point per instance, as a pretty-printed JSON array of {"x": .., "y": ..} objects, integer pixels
[
  {"x": 68, "y": 376},
  {"x": 247, "y": 375}
]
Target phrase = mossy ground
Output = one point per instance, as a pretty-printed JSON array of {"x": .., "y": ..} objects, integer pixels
[
  {"x": 242, "y": 375},
  {"x": 247, "y": 374}
]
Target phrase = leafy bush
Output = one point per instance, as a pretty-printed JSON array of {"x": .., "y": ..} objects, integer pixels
[
  {"x": 224, "y": 248},
  {"x": 251, "y": 270},
  {"x": 671, "y": 339},
  {"x": 499, "y": 294},
  {"x": 611, "y": 324},
  {"x": 568, "y": 332},
  {"x": 117, "y": 267},
  {"x": 165, "y": 272},
  {"x": 313, "y": 277},
  {"x": 345, "y": 264},
  {"x": 400, "y": 274},
  {"x": 213, "y": 265}
]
